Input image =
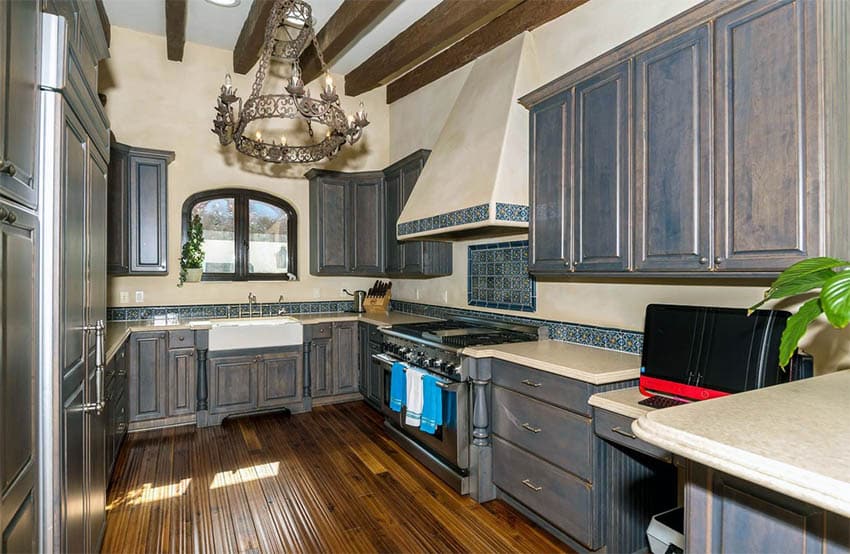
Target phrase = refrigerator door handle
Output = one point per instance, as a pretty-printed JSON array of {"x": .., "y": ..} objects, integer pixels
[{"x": 100, "y": 365}]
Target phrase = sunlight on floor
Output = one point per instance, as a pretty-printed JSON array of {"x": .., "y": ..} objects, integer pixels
[
  {"x": 148, "y": 493},
  {"x": 245, "y": 474}
]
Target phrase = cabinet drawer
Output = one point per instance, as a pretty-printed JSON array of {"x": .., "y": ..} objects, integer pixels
[
  {"x": 617, "y": 428},
  {"x": 374, "y": 334},
  {"x": 320, "y": 331},
  {"x": 558, "y": 436},
  {"x": 555, "y": 389},
  {"x": 182, "y": 338},
  {"x": 560, "y": 498}
]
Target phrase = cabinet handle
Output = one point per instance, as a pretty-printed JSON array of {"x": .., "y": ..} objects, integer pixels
[
  {"x": 703, "y": 260},
  {"x": 531, "y": 485},
  {"x": 181, "y": 338},
  {"x": 4, "y": 213},
  {"x": 619, "y": 431},
  {"x": 8, "y": 168},
  {"x": 11, "y": 218},
  {"x": 528, "y": 427},
  {"x": 530, "y": 383},
  {"x": 718, "y": 260}
]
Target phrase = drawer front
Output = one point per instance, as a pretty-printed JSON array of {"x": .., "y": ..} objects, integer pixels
[
  {"x": 617, "y": 428},
  {"x": 555, "y": 389},
  {"x": 183, "y": 338},
  {"x": 374, "y": 334},
  {"x": 560, "y": 437},
  {"x": 320, "y": 331},
  {"x": 555, "y": 495}
]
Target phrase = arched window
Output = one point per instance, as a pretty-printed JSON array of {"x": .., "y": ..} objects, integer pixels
[{"x": 248, "y": 235}]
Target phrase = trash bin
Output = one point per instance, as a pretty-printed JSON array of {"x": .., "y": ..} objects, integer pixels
[{"x": 666, "y": 532}]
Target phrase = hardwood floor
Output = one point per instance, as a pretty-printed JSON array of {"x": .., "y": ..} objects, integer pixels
[{"x": 327, "y": 481}]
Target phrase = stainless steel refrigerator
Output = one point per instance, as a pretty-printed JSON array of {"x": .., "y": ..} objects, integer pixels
[{"x": 72, "y": 172}]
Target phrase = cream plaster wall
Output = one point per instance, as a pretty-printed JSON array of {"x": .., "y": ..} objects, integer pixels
[
  {"x": 561, "y": 46},
  {"x": 166, "y": 105}
]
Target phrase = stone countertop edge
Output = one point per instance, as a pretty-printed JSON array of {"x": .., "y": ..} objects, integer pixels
[
  {"x": 621, "y": 401},
  {"x": 539, "y": 355},
  {"x": 118, "y": 331},
  {"x": 790, "y": 479}
]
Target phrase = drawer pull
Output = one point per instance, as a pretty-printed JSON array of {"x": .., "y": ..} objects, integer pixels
[
  {"x": 619, "y": 431},
  {"x": 528, "y": 427},
  {"x": 530, "y": 383},
  {"x": 531, "y": 485},
  {"x": 181, "y": 338}
]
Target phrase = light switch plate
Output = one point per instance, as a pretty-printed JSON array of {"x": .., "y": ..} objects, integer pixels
[
  {"x": 140, "y": 296},
  {"x": 124, "y": 297}
]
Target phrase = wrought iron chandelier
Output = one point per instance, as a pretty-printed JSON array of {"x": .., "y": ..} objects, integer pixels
[{"x": 288, "y": 32}]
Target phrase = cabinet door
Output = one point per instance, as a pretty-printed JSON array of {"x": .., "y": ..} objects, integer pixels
[
  {"x": 601, "y": 180},
  {"x": 329, "y": 247},
  {"x": 672, "y": 155},
  {"x": 363, "y": 360},
  {"x": 367, "y": 205},
  {"x": 280, "y": 378},
  {"x": 117, "y": 224},
  {"x": 766, "y": 146},
  {"x": 321, "y": 370},
  {"x": 148, "y": 366},
  {"x": 19, "y": 37},
  {"x": 18, "y": 363},
  {"x": 148, "y": 224},
  {"x": 233, "y": 386},
  {"x": 412, "y": 251},
  {"x": 74, "y": 473},
  {"x": 345, "y": 357},
  {"x": 182, "y": 369},
  {"x": 96, "y": 238},
  {"x": 550, "y": 191},
  {"x": 392, "y": 207},
  {"x": 376, "y": 381}
]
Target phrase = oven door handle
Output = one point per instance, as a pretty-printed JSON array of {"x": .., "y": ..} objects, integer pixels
[
  {"x": 383, "y": 358},
  {"x": 449, "y": 387}
]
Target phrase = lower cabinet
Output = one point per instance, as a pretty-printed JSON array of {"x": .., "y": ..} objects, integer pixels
[
  {"x": 182, "y": 370},
  {"x": 116, "y": 410},
  {"x": 334, "y": 360},
  {"x": 346, "y": 357},
  {"x": 243, "y": 382},
  {"x": 321, "y": 368},
  {"x": 371, "y": 371}
]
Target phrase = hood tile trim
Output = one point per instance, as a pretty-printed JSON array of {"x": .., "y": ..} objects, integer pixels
[{"x": 516, "y": 213}]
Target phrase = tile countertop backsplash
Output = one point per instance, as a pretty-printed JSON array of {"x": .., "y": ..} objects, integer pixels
[{"x": 498, "y": 277}]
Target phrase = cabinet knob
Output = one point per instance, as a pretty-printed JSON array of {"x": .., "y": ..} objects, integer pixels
[
  {"x": 11, "y": 218},
  {"x": 718, "y": 260},
  {"x": 703, "y": 260},
  {"x": 8, "y": 168},
  {"x": 4, "y": 213}
]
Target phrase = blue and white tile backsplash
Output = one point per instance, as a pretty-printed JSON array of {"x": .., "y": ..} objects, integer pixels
[
  {"x": 498, "y": 277},
  {"x": 227, "y": 310},
  {"x": 465, "y": 216}
]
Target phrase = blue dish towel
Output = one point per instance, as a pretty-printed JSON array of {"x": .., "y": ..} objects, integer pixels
[
  {"x": 432, "y": 405},
  {"x": 398, "y": 387}
]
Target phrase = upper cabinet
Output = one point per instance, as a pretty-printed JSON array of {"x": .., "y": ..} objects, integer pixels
[
  {"x": 137, "y": 210},
  {"x": 697, "y": 148},
  {"x": 19, "y": 35}
]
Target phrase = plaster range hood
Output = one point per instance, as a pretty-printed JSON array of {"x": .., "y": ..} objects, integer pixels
[{"x": 475, "y": 183}]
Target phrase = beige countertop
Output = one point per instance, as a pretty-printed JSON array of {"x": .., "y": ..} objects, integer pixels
[
  {"x": 118, "y": 331},
  {"x": 592, "y": 365},
  {"x": 791, "y": 438},
  {"x": 621, "y": 401}
]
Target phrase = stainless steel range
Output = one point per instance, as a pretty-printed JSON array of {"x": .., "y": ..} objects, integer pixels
[{"x": 437, "y": 347}]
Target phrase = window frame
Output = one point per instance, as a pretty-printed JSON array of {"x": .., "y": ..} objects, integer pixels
[{"x": 241, "y": 240}]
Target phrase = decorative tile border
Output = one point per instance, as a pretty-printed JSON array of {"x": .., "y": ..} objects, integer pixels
[
  {"x": 498, "y": 277},
  {"x": 474, "y": 214},
  {"x": 224, "y": 311},
  {"x": 620, "y": 340}
]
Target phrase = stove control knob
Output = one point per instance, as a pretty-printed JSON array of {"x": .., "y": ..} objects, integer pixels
[
  {"x": 438, "y": 364},
  {"x": 402, "y": 351}
]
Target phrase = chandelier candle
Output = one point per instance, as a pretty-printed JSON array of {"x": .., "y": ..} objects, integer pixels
[{"x": 291, "y": 19}]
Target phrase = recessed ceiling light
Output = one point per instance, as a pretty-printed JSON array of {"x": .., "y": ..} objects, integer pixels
[{"x": 225, "y": 3}]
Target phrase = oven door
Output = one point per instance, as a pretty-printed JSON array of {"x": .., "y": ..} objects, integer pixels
[{"x": 451, "y": 439}]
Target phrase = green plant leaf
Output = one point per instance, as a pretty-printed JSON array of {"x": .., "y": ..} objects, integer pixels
[
  {"x": 801, "y": 277},
  {"x": 796, "y": 328},
  {"x": 835, "y": 299}
]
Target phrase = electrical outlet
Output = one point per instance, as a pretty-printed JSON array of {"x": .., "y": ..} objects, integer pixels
[
  {"x": 417, "y": 294},
  {"x": 317, "y": 293},
  {"x": 445, "y": 297},
  {"x": 140, "y": 296},
  {"x": 124, "y": 297}
]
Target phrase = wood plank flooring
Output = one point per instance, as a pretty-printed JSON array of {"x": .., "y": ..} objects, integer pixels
[{"x": 327, "y": 481}]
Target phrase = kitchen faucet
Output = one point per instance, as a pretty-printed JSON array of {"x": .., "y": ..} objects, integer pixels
[
  {"x": 282, "y": 310},
  {"x": 252, "y": 301}
]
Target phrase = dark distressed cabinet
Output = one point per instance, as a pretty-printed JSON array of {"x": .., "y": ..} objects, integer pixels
[
  {"x": 233, "y": 383},
  {"x": 19, "y": 39},
  {"x": 181, "y": 392},
  {"x": 334, "y": 355},
  {"x": 713, "y": 145},
  {"x": 117, "y": 412},
  {"x": 138, "y": 210},
  {"x": 346, "y": 223},
  {"x": 371, "y": 371},
  {"x": 410, "y": 258},
  {"x": 18, "y": 371},
  {"x": 148, "y": 375},
  {"x": 346, "y": 354},
  {"x": 321, "y": 359}
]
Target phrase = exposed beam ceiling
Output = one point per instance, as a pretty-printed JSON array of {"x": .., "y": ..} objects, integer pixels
[
  {"x": 250, "y": 41},
  {"x": 346, "y": 24},
  {"x": 448, "y": 22},
  {"x": 524, "y": 17},
  {"x": 175, "y": 28}
]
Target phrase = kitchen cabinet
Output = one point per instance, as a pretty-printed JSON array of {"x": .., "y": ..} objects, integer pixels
[
  {"x": 137, "y": 213},
  {"x": 371, "y": 372},
  {"x": 410, "y": 258},
  {"x": 334, "y": 360},
  {"x": 182, "y": 368},
  {"x": 19, "y": 22},
  {"x": 731, "y": 174},
  {"x": 346, "y": 223},
  {"x": 346, "y": 354},
  {"x": 244, "y": 382},
  {"x": 321, "y": 368},
  {"x": 363, "y": 361},
  {"x": 117, "y": 412},
  {"x": 19, "y": 244},
  {"x": 148, "y": 380}
]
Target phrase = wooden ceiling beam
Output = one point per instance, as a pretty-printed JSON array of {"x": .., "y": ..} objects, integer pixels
[
  {"x": 175, "y": 28},
  {"x": 250, "y": 41},
  {"x": 346, "y": 24},
  {"x": 445, "y": 24},
  {"x": 524, "y": 17}
]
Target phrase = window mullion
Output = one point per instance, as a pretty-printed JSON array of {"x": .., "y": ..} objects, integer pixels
[{"x": 241, "y": 209}]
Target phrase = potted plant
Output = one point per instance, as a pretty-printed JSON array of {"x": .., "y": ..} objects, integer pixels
[
  {"x": 832, "y": 277},
  {"x": 192, "y": 257}
]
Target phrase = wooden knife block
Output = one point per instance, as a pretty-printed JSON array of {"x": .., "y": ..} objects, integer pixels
[{"x": 377, "y": 304}]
